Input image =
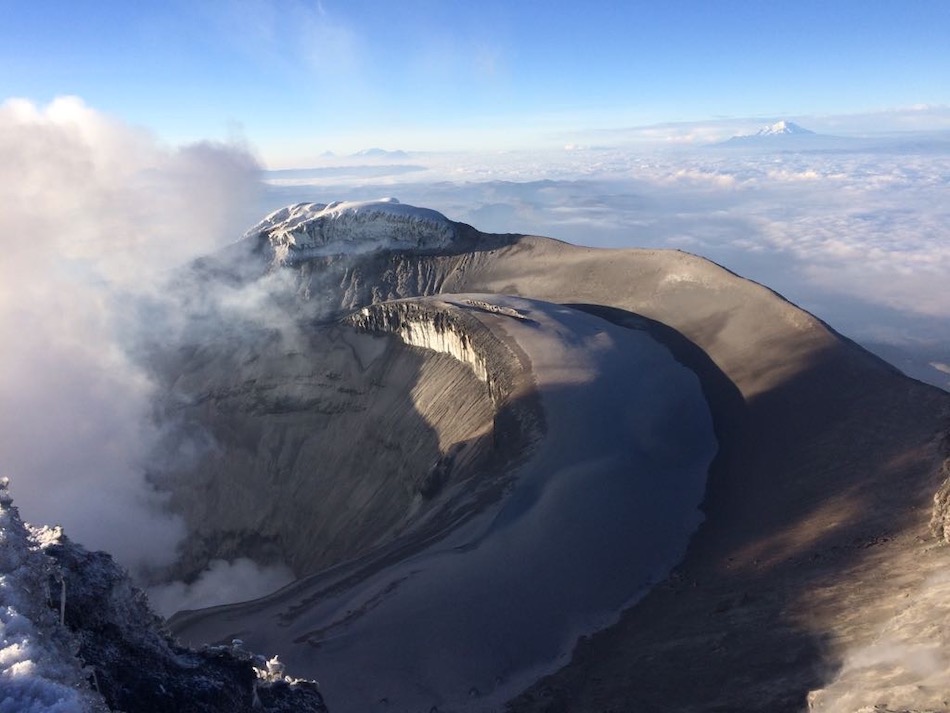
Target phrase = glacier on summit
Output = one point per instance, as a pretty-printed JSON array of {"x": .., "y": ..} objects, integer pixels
[
  {"x": 783, "y": 128},
  {"x": 785, "y": 135},
  {"x": 307, "y": 230}
]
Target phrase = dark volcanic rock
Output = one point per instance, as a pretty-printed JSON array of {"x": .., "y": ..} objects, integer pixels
[{"x": 135, "y": 664}]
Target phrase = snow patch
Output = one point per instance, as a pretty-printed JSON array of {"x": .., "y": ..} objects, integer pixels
[
  {"x": 940, "y": 366},
  {"x": 307, "y": 230}
]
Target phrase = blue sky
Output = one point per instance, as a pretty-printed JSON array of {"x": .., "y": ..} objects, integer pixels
[{"x": 296, "y": 78}]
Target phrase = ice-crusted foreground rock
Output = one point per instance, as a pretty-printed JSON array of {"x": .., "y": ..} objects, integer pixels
[
  {"x": 307, "y": 230},
  {"x": 76, "y": 636},
  {"x": 39, "y": 669}
]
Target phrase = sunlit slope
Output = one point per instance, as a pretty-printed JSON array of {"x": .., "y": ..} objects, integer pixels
[
  {"x": 823, "y": 488},
  {"x": 827, "y": 455}
]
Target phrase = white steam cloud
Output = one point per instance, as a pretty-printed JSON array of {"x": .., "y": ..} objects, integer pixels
[
  {"x": 92, "y": 216},
  {"x": 221, "y": 583}
]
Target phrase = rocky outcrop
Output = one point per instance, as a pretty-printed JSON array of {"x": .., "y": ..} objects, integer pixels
[
  {"x": 94, "y": 644},
  {"x": 940, "y": 519},
  {"x": 39, "y": 668}
]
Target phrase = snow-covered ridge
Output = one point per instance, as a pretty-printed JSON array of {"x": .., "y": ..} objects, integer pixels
[
  {"x": 782, "y": 128},
  {"x": 307, "y": 230},
  {"x": 781, "y": 133}
]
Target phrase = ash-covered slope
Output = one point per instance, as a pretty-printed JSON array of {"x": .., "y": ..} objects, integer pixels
[
  {"x": 600, "y": 510},
  {"x": 318, "y": 441},
  {"x": 76, "y": 636},
  {"x": 828, "y": 460}
]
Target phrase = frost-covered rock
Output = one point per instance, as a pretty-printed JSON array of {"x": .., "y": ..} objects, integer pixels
[
  {"x": 76, "y": 635},
  {"x": 940, "y": 517},
  {"x": 39, "y": 669},
  {"x": 307, "y": 230}
]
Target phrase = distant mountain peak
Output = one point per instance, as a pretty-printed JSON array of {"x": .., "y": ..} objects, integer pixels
[
  {"x": 380, "y": 153},
  {"x": 781, "y": 133},
  {"x": 782, "y": 128}
]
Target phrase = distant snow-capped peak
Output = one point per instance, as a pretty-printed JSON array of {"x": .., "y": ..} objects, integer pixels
[{"x": 782, "y": 128}]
